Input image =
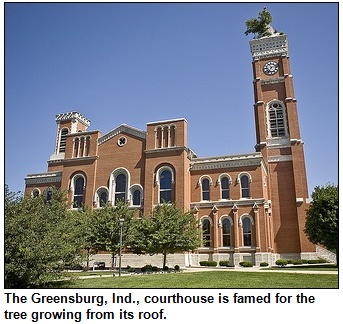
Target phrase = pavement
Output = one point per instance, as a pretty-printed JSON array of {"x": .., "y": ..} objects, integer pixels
[{"x": 204, "y": 269}]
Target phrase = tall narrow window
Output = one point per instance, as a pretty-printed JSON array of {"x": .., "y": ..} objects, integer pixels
[
  {"x": 245, "y": 186},
  {"x": 226, "y": 227},
  {"x": 79, "y": 183},
  {"x": 246, "y": 224},
  {"x": 136, "y": 198},
  {"x": 165, "y": 186},
  {"x": 225, "y": 187},
  {"x": 120, "y": 191},
  {"x": 206, "y": 233},
  {"x": 103, "y": 198},
  {"x": 172, "y": 135},
  {"x": 158, "y": 142},
  {"x": 205, "y": 187},
  {"x": 277, "y": 123},
  {"x": 63, "y": 140}
]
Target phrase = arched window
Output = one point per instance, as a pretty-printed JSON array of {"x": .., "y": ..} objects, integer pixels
[
  {"x": 166, "y": 180},
  {"x": 276, "y": 119},
  {"x": 245, "y": 186},
  {"x": 63, "y": 140},
  {"x": 205, "y": 188},
  {"x": 136, "y": 198},
  {"x": 101, "y": 197},
  {"x": 120, "y": 188},
  {"x": 158, "y": 139},
  {"x": 225, "y": 189},
  {"x": 35, "y": 193},
  {"x": 48, "y": 194},
  {"x": 206, "y": 232},
  {"x": 172, "y": 135},
  {"x": 79, "y": 184},
  {"x": 226, "y": 229},
  {"x": 247, "y": 226}
]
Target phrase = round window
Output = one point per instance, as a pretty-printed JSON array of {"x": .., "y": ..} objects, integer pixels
[{"x": 122, "y": 141}]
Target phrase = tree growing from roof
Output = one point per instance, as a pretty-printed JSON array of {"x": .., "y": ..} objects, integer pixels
[
  {"x": 167, "y": 230},
  {"x": 260, "y": 25},
  {"x": 321, "y": 226}
]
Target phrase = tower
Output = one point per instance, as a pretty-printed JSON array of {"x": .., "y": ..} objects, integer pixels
[
  {"x": 67, "y": 123},
  {"x": 278, "y": 139}
]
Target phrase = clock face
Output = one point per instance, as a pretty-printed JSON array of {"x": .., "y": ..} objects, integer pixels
[{"x": 270, "y": 68}]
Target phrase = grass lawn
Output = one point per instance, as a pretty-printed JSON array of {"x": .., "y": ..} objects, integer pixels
[{"x": 209, "y": 279}]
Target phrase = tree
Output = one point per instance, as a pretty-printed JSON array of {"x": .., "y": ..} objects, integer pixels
[
  {"x": 40, "y": 239},
  {"x": 167, "y": 230},
  {"x": 321, "y": 226},
  {"x": 106, "y": 228},
  {"x": 260, "y": 25}
]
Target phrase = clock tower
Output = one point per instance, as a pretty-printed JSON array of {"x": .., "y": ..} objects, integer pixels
[{"x": 279, "y": 141}]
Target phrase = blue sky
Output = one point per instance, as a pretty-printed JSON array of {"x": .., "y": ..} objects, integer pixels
[{"x": 138, "y": 63}]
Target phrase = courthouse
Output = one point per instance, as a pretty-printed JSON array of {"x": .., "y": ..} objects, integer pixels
[{"x": 250, "y": 207}]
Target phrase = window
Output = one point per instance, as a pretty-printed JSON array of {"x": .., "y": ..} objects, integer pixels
[
  {"x": 247, "y": 224},
  {"x": 225, "y": 182},
  {"x": 166, "y": 179},
  {"x": 205, "y": 187},
  {"x": 277, "y": 123},
  {"x": 245, "y": 186},
  {"x": 226, "y": 228},
  {"x": 206, "y": 233},
  {"x": 120, "y": 188},
  {"x": 136, "y": 198},
  {"x": 48, "y": 195},
  {"x": 101, "y": 197},
  {"x": 63, "y": 140},
  {"x": 79, "y": 184},
  {"x": 35, "y": 193}
]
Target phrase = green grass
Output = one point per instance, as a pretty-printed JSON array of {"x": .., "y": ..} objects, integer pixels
[{"x": 209, "y": 279}]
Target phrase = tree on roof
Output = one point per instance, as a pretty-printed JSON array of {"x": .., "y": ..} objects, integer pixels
[{"x": 261, "y": 25}]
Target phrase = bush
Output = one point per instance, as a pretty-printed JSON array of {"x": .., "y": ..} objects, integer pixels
[
  {"x": 296, "y": 262},
  {"x": 165, "y": 268},
  {"x": 281, "y": 262},
  {"x": 147, "y": 267},
  {"x": 154, "y": 268},
  {"x": 177, "y": 267},
  {"x": 317, "y": 261},
  {"x": 208, "y": 263},
  {"x": 224, "y": 263},
  {"x": 264, "y": 264},
  {"x": 246, "y": 264}
]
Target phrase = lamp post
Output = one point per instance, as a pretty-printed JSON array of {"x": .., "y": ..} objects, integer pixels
[{"x": 121, "y": 223}]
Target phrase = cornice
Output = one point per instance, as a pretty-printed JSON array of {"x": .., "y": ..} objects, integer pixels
[
  {"x": 230, "y": 161},
  {"x": 42, "y": 178},
  {"x": 270, "y": 46}
]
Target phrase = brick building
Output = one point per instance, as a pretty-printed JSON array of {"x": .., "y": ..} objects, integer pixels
[{"x": 250, "y": 206}]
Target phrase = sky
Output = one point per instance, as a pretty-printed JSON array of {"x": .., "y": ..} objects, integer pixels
[{"x": 135, "y": 63}]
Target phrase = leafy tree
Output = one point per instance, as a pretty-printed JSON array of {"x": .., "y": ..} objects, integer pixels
[
  {"x": 321, "y": 226},
  {"x": 260, "y": 25},
  {"x": 167, "y": 230},
  {"x": 40, "y": 239},
  {"x": 106, "y": 228}
]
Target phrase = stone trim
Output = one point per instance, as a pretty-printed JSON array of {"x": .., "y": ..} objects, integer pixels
[
  {"x": 122, "y": 129},
  {"x": 72, "y": 115},
  {"x": 269, "y": 46},
  {"x": 42, "y": 178}
]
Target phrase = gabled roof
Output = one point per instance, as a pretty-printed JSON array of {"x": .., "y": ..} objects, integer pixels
[{"x": 122, "y": 129}]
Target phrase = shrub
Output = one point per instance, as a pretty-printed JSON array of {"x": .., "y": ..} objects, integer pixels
[
  {"x": 208, "y": 263},
  {"x": 224, "y": 263},
  {"x": 177, "y": 267},
  {"x": 296, "y": 262},
  {"x": 246, "y": 264},
  {"x": 317, "y": 261},
  {"x": 264, "y": 264},
  {"x": 165, "y": 268},
  {"x": 281, "y": 262},
  {"x": 154, "y": 268}
]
